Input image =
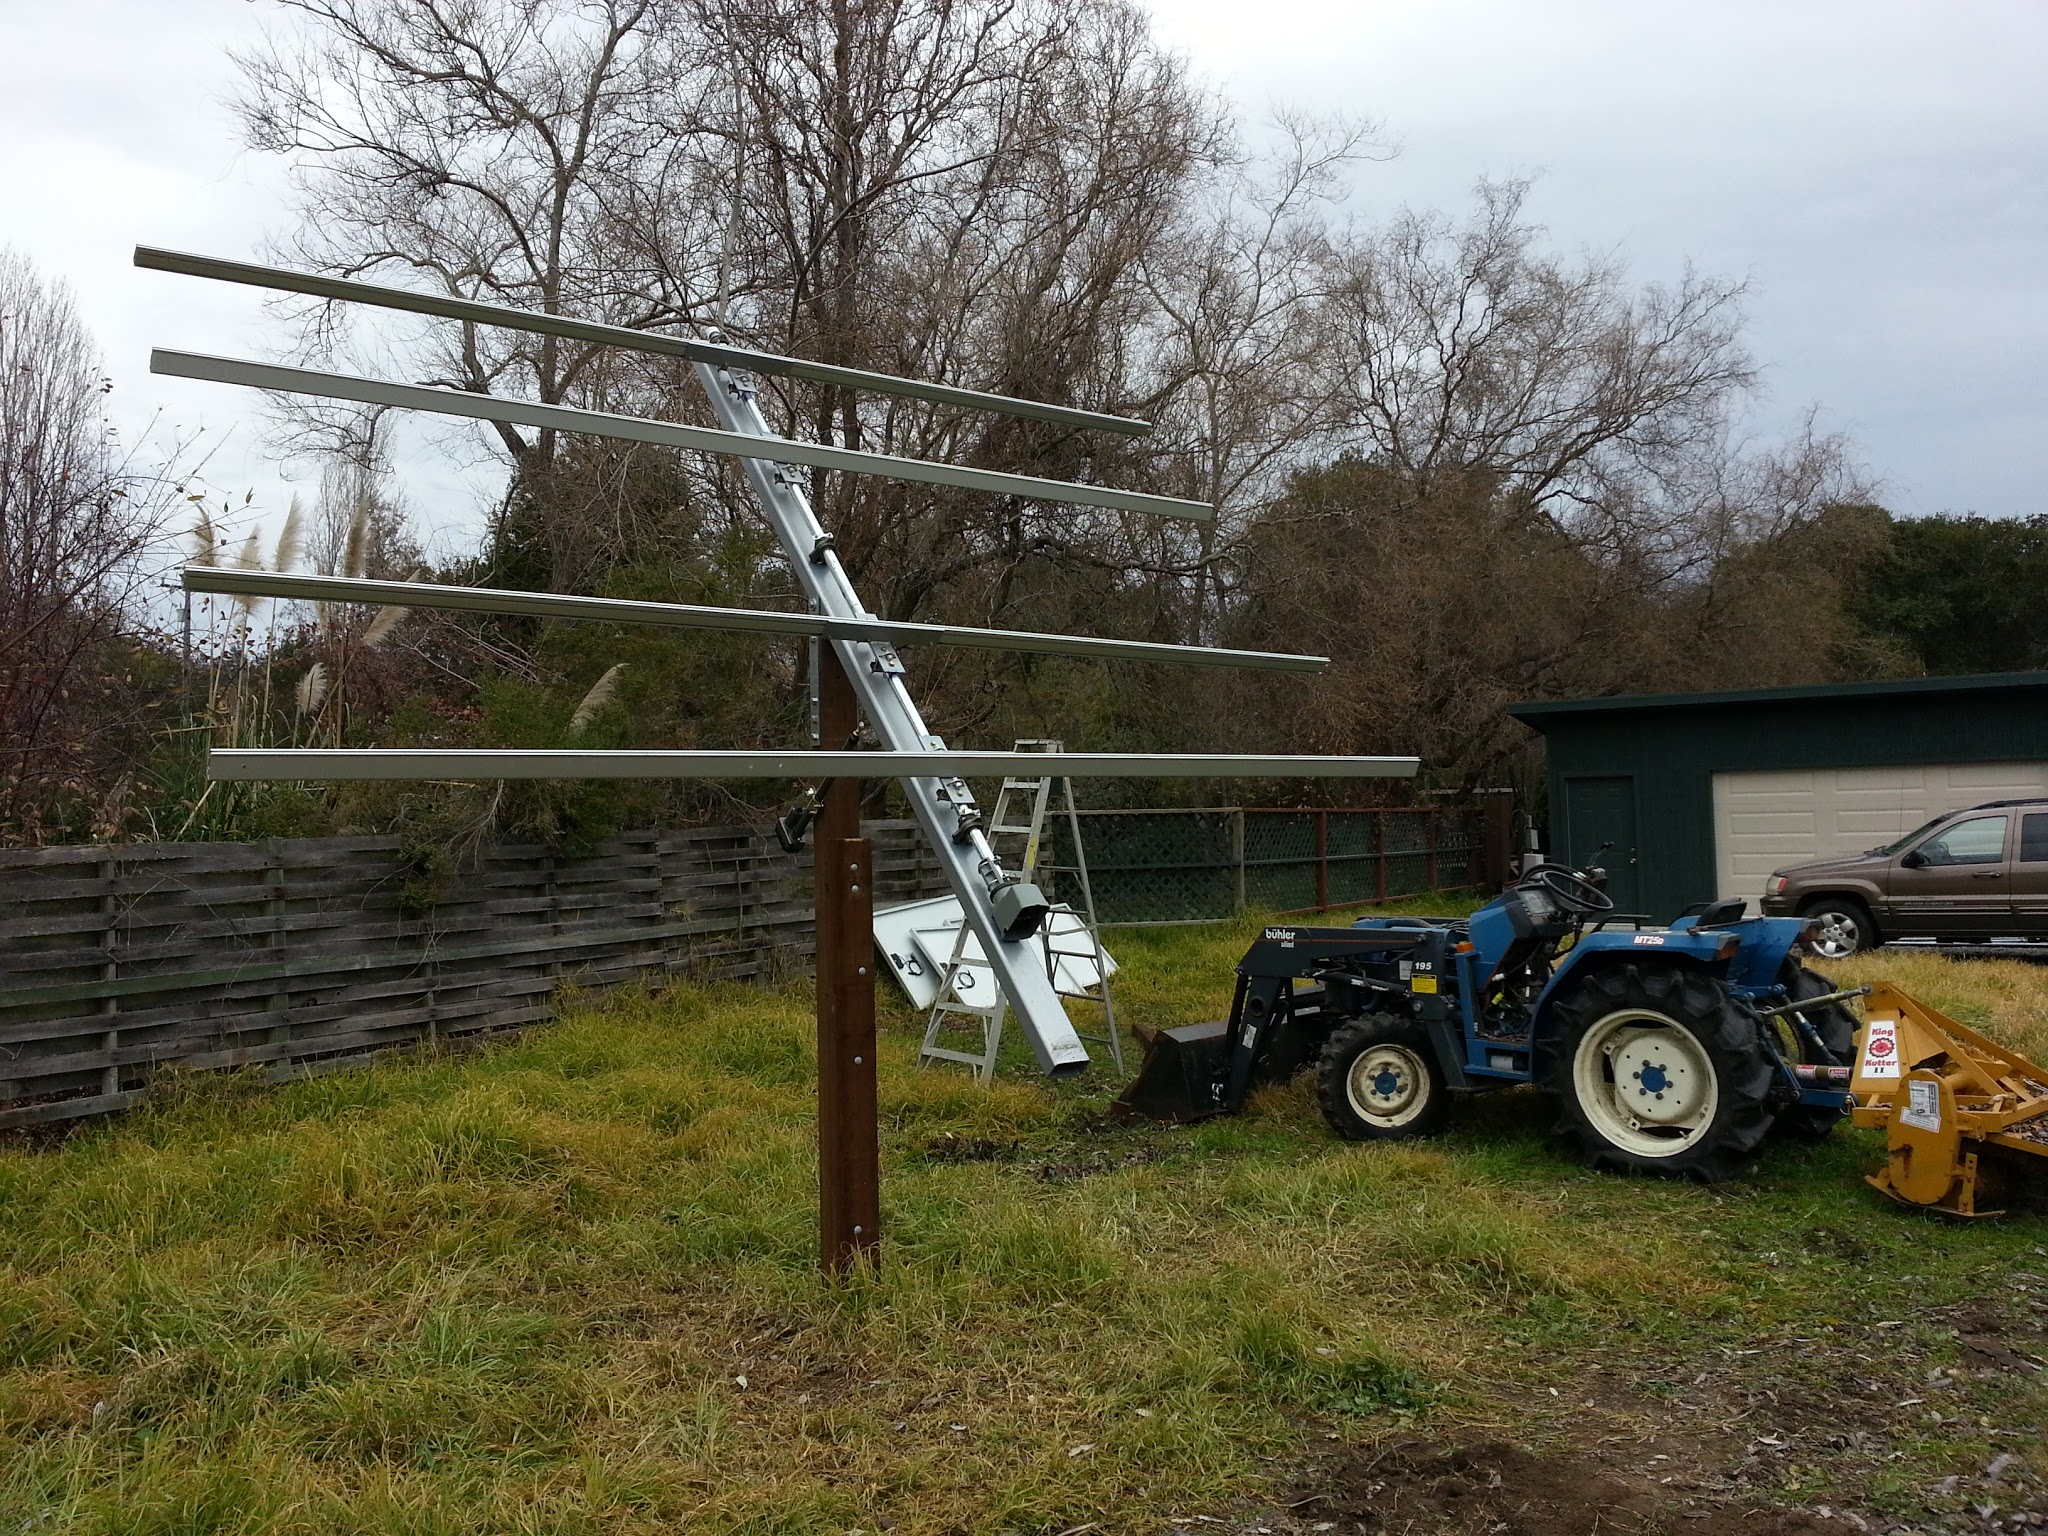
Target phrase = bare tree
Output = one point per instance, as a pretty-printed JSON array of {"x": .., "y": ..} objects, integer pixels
[
  {"x": 1468, "y": 468},
  {"x": 1472, "y": 348},
  {"x": 78, "y": 515},
  {"x": 480, "y": 148},
  {"x": 1534, "y": 486},
  {"x": 984, "y": 192},
  {"x": 964, "y": 188}
]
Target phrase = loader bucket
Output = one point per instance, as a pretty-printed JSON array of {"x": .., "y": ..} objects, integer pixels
[
  {"x": 1180, "y": 1073},
  {"x": 1965, "y": 1119}
]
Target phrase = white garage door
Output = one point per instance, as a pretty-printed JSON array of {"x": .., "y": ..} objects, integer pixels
[{"x": 1763, "y": 821}]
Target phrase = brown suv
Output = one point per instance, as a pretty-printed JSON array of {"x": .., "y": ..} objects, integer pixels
[{"x": 1971, "y": 875}]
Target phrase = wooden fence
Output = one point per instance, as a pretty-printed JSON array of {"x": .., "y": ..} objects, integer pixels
[
  {"x": 296, "y": 956},
  {"x": 117, "y": 962}
]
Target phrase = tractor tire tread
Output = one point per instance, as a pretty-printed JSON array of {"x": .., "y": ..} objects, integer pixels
[
  {"x": 1333, "y": 1068},
  {"x": 1745, "y": 1117}
]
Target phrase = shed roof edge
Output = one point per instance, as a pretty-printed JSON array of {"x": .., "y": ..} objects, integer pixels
[{"x": 1537, "y": 711}]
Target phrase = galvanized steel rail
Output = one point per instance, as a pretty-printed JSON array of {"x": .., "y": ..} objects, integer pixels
[
  {"x": 667, "y": 434},
  {"x": 490, "y": 763},
  {"x": 618, "y": 610},
  {"x": 720, "y": 354}
]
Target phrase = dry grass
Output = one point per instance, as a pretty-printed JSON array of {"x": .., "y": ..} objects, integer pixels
[
  {"x": 567, "y": 1286},
  {"x": 2005, "y": 999}
]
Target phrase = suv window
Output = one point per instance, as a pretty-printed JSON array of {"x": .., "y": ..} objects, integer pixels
[
  {"x": 1912, "y": 837},
  {"x": 2034, "y": 838},
  {"x": 1980, "y": 840}
]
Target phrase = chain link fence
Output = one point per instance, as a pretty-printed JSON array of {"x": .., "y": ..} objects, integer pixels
[{"x": 1204, "y": 866}]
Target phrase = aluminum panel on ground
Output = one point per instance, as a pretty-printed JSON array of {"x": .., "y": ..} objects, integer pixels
[{"x": 916, "y": 939}]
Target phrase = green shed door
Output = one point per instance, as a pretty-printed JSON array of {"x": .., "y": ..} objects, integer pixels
[{"x": 1600, "y": 811}]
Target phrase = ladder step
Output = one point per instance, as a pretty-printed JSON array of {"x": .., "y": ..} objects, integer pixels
[{"x": 940, "y": 1053}]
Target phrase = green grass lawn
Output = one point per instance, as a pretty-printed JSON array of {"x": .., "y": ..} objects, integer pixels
[{"x": 567, "y": 1284}]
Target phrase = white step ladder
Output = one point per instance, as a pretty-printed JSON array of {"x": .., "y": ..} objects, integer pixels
[{"x": 968, "y": 997}]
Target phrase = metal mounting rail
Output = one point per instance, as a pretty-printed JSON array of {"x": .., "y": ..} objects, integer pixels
[
  {"x": 333, "y": 763},
  {"x": 450, "y": 308},
  {"x": 618, "y": 610},
  {"x": 667, "y": 434}
]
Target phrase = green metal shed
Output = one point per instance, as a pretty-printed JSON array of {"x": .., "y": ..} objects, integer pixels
[{"x": 1703, "y": 794}]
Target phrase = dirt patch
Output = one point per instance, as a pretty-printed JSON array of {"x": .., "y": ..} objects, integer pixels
[
  {"x": 1065, "y": 1164},
  {"x": 1418, "y": 1487},
  {"x": 951, "y": 1148},
  {"x": 1986, "y": 1341},
  {"x": 1082, "y": 1165}
]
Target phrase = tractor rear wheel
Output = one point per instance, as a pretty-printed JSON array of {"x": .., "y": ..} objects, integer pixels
[
  {"x": 1658, "y": 1072},
  {"x": 1378, "y": 1079},
  {"x": 1836, "y": 1027}
]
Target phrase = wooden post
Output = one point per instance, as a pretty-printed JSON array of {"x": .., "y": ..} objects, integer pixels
[
  {"x": 1322, "y": 861},
  {"x": 1499, "y": 863},
  {"x": 110, "y": 970},
  {"x": 1379, "y": 843},
  {"x": 849, "y": 1136}
]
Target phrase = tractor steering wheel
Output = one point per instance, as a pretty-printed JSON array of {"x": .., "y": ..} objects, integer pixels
[{"x": 1570, "y": 890}]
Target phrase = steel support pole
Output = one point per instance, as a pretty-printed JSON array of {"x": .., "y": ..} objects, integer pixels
[{"x": 849, "y": 1136}]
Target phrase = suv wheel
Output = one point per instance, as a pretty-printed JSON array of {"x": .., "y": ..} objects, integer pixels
[{"x": 1844, "y": 927}]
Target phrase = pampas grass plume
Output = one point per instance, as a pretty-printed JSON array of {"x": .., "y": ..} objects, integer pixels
[
  {"x": 205, "y": 543},
  {"x": 355, "y": 554},
  {"x": 313, "y": 688},
  {"x": 601, "y": 693},
  {"x": 291, "y": 539},
  {"x": 249, "y": 558},
  {"x": 381, "y": 627}
]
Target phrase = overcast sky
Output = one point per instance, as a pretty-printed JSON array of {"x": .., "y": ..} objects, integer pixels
[{"x": 1877, "y": 171}]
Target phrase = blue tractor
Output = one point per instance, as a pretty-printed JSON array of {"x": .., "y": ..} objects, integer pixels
[{"x": 1674, "y": 1049}]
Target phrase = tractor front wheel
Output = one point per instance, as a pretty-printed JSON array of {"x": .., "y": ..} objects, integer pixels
[
  {"x": 1658, "y": 1072},
  {"x": 1378, "y": 1079}
]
